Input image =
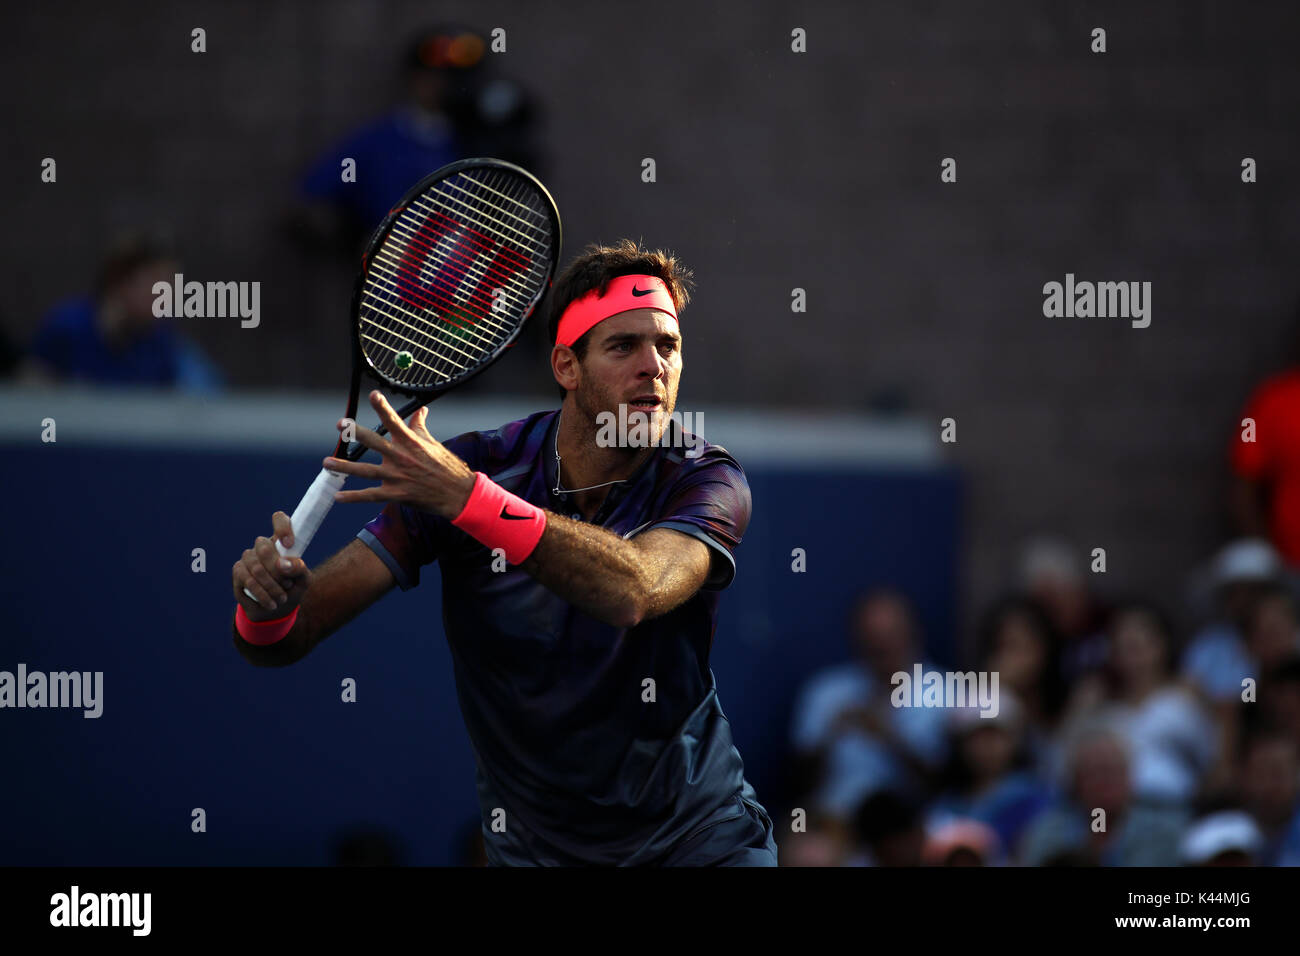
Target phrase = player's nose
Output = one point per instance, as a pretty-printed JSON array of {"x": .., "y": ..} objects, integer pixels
[{"x": 652, "y": 364}]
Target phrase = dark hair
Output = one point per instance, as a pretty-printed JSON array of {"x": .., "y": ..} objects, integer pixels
[
  {"x": 598, "y": 265},
  {"x": 875, "y": 595},
  {"x": 128, "y": 253},
  {"x": 1052, "y": 684},
  {"x": 886, "y": 813},
  {"x": 1164, "y": 631},
  {"x": 1270, "y": 591}
]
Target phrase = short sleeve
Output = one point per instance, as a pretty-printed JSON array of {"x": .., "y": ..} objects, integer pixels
[
  {"x": 405, "y": 540},
  {"x": 1251, "y": 459},
  {"x": 711, "y": 503}
]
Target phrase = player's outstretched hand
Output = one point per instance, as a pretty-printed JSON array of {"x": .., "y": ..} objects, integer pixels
[
  {"x": 417, "y": 469},
  {"x": 277, "y": 583}
]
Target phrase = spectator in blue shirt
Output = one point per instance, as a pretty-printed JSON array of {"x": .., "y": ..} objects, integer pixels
[
  {"x": 1131, "y": 832},
  {"x": 989, "y": 777},
  {"x": 452, "y": 108},
  {"x": 1270, "y": 793},
  {"x": 113, "y": 337},
  {"x": 845, "y": 728}
]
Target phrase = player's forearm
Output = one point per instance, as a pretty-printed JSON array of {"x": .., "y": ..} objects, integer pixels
[
  {"x": 593, "y": 569},
  {"x": 294, "y": 646},
  {"x": 341, "y": 588}
]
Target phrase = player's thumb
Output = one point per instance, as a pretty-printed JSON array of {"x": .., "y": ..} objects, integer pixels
[{"x": 282, "y": 529}]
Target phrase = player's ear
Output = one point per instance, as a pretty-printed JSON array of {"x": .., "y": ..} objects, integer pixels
[{"x": 564, "y": 366}]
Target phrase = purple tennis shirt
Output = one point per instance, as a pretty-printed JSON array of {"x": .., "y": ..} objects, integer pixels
[{"x": 586, "y": 769}]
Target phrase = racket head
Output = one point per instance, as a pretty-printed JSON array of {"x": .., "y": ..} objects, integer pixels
[{"x": 452, "y": 274}]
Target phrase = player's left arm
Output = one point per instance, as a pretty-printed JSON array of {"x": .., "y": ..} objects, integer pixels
[
  {"x": 616, "y": 580},
  {"x": 621, "y": 582}
]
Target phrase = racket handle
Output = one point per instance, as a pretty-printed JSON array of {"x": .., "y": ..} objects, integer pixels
[{"x": 311, "y": 511}]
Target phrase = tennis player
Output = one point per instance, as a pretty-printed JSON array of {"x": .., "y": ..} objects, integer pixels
[{"x": 581, "y": 581}]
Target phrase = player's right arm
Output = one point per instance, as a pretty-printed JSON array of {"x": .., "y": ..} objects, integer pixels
[{"x": 326, "y": 598}]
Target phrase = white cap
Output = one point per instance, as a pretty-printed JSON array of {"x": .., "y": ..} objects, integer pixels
[
  {"x": 1049, "y": 558},
  {"x": 1218, "y": 833},
  {"x": 1248, "y": 559}
]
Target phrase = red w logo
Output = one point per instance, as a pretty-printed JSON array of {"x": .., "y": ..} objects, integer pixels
[{"x": 452, "y": 269}]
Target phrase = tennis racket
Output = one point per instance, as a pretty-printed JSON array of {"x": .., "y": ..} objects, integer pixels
[{"x": 446, "y": 284}]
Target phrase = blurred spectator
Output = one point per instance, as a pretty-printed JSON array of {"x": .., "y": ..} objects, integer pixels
[
  {"x": 844, "y": 724},
  {"x": 452, "y": 108},
  {"x": 1265, "y": 494},
  {"x": 113, "y": 337},
  {"x": 961, "y": 843},
  {"x": 1270, "y": 793},
  {"x": 1217, "y": 659},
  {"x": 889, "y": 830},
  {"x": 1274, "y": 633},
  {"x": 989, "y": 778},
  {"x": 1173, "y": 738},
  {"x": 1226, "y": 838},
  {"x": 1051, "y": 574},
  {"x": 825, "y": 842},
  {"x": 1097, "y": 778},
  {"x": 1018, "y": 641},
  {"x": 1279, "y": 699}
]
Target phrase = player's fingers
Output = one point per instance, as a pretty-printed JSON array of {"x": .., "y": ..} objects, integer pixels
[
  {"x": 293, "y": 570},
  {"x": 269, "y": 557},
  {"x": 377, "y": 494},
  {"x": 255, "y": 566},
  {"x": 245, "y": 585},
  {"x": 417, "y": 421},
  {"x": 282, "y": 529},
  {"x": 386, "y": 414},
  {"x": 359, "y": 468},
  {"x": 372, "y": 439}
]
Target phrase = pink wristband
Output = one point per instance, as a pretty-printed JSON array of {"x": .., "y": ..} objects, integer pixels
[
  {"x": 498, "y": 519},
  {"x": 263, "y": 632}
]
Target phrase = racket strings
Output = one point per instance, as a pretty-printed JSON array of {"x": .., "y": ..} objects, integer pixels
[
  {"x": 441, "y": 295},
  {"x": 385, "y": 267},
  {"x": 414, "y": 276},
  {"x": 514, "y": 262},
  {"x": 478, "y": 267},
  {"x": 415, "y": 343},
  {"x": 451, "y": 202}
]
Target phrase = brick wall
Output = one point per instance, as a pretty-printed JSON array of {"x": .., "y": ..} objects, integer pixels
[{"x": 775, "y": 170}]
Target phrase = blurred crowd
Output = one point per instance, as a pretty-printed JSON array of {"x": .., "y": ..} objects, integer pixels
[
  {"x": 452, "y": 104},
  {"x": 1118, "y": 740}
]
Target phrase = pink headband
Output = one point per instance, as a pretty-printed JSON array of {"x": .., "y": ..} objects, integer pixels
[{"x": 624, "y": 293}]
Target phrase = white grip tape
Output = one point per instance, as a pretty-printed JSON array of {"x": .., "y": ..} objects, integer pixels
[{"x": 311, "y": 511}]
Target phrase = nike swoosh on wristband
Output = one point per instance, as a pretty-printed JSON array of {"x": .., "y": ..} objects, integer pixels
[
  {"x": 505, "y": 513},
  {"x": 640, "y": 292}
]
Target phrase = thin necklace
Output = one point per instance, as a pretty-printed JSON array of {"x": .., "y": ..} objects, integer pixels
[{"x": 569, "y": 491}]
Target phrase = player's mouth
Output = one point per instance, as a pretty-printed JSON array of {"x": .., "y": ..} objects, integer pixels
[{"x": 646, "y": 403}]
